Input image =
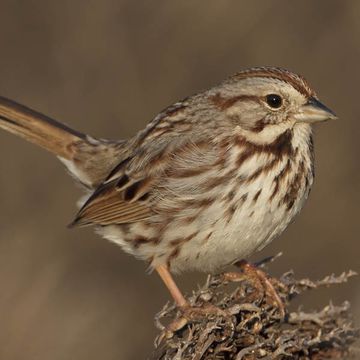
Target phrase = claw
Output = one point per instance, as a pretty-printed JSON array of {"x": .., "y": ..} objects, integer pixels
[
  {"x": 190, "y": 314},
  {"x": 260, "y": 282}
]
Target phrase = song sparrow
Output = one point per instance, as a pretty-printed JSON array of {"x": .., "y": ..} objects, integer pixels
[{"x": 209, "y": 181}]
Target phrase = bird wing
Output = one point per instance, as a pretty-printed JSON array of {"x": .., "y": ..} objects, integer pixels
[
  {"x": 130, "y": 192},
  {"x": 110, "y": 205}
]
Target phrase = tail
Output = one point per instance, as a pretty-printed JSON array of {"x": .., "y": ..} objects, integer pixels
[
  {"x": 38, "y": 128},
  {"x": 88, "y": 160}
]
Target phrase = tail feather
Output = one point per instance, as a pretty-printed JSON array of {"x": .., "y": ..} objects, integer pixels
[
  {"x": 89, "y": 160},
  {"x": 38, "y": 128},
  {"x": 83, "y": 156}
]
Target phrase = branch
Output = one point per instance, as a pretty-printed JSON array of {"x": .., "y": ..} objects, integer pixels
[{"x": 254, "y": 329}]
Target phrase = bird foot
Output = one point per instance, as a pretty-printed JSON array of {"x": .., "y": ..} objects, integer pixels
[
  {"x": 260, "y": 281},
  {"x": 190, "y": 314}
]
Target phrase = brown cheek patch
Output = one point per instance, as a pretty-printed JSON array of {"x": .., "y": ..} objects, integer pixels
[
  {"x": 225, "y": 103},
  {"x": 259, "y": 125}
]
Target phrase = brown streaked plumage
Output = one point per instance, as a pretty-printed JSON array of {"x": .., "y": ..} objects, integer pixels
[
  {"x": 298, "y": 82},
  {"x": 225, "y": 103},
  {"x": 209, "y": 180}
]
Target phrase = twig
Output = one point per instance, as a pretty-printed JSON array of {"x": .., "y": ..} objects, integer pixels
[{"x": 256, "y": 331}]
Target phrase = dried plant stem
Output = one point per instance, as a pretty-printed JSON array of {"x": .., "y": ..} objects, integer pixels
[{"x": 254, "y": 328}]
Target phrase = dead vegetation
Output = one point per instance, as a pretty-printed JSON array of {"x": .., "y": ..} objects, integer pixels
[{"x": 254, "y": 329}]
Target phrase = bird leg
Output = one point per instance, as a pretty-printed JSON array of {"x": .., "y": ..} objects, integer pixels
[
  {"x": 189, "y": 312},
  {"x": 168, "y": 280},
  {"x": 259, "y": 280}
]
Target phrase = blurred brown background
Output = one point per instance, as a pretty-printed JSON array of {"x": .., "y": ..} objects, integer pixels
[{"x": 107, "y": 67}]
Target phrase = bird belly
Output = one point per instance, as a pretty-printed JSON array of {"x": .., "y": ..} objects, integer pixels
[
  {"x": 220, "y": 235},
  {"x": 228, "y": 238}
]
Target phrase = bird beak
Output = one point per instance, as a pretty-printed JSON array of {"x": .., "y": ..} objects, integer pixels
[{"x": 314, "y": 111}]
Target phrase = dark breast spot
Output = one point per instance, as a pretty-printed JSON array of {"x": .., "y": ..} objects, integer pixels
[
  {"x": 138, "y": 241},
  {"x": 244, "y": 197},
  {"x": 229, "y": 212},
  {"x": 281, "y": 145},
  {"x": 142, "y": 240},
  {"x": 293, "y": 193},
  {"x": 173, "y": 255},
  {"x": 207, "y": 237},
  {"x": 182, "y": 240},
  {"x": 256, "y": 196},
  {"x": 230, "y": 195}
]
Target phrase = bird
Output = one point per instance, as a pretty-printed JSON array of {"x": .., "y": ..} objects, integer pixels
[{"x": 210, "y": 180}]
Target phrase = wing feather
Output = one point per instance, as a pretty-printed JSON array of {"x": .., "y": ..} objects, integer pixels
[
  {"x": 126, "y": 196},
  {"x": 111, "y": 209},
  {"x": 109, "y": 205}
]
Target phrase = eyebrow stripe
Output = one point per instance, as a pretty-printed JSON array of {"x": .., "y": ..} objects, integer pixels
[{"x": 296, "y": 81}]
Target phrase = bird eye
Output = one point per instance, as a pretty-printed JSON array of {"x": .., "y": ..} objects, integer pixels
[{"x": 274, "y": 101}]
